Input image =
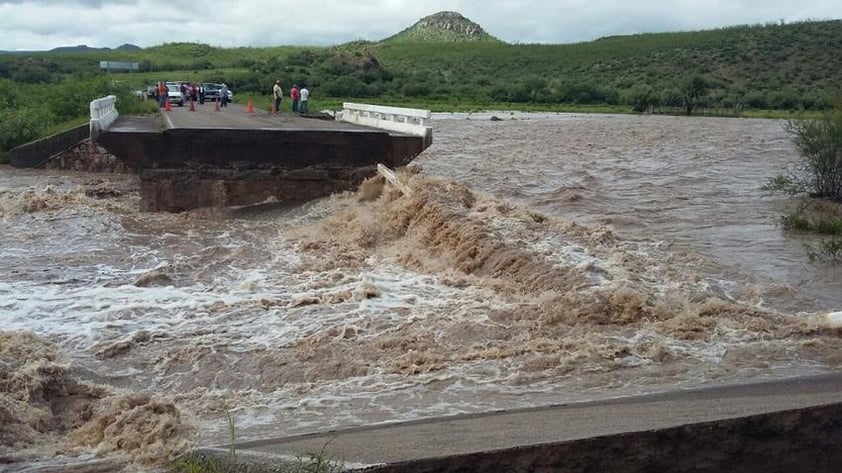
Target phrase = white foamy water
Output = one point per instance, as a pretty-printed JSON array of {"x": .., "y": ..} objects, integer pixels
[{"x": 597, "y": 256}]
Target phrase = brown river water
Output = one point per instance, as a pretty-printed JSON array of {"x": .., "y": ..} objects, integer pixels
[{"x": 542, "y": 259}]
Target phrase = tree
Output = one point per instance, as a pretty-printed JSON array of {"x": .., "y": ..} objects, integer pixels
[
  {"x": 694, "y": 92},
  {"x": 642, "y": 98},
  {"x": 819, "y": 175},
  {"x": 820, "y": 143}
]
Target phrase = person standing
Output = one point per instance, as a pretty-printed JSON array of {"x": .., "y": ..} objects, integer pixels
[
  {"x": 278, "y": 94},
  {"x": 201, "y": 94},
  {"x": 163, "y": 93},
  {"x": 223, "y": 96},
  {"x": 294, "y": 95},
  {"x": 304, "y": 106}
]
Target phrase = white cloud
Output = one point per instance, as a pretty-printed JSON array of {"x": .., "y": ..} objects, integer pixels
[{"x": 45, "y": 24}]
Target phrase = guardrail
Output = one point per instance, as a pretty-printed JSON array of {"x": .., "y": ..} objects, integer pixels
[
  {"x": 103, "y": 114},
  {"x": 402, "y": 120}
]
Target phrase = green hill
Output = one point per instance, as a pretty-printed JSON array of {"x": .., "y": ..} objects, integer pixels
[
  {"x": 445, "y": 26},
  {"x": 789, "y": 67},
  {"x": 775, "y": 66}
]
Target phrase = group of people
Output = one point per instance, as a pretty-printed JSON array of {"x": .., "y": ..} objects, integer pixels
[
  {"x": 188, "y": 92},
  {"x": 300, "y": 98}
]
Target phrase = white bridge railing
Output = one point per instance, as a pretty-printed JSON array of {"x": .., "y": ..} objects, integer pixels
[
  {"x": 103, "y": 114},
  {"x": 403, "y": 120}
]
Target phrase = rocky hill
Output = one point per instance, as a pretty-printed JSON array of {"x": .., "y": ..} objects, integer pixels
[
  {"x": 82, "y": 48},
  {"x": 445, "y": 26}
]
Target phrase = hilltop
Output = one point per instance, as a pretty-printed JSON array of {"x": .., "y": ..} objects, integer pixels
[{"x": 445, "y": 26}]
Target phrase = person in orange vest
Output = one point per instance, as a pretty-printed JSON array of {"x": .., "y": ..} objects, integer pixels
[
  {"x": 163, "y": 93},
  {"x": 294, "y": 95}
]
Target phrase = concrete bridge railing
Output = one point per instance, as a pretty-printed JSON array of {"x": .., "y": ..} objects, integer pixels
[
  {"x": 403, "y": 120},
  {"x": 103, "y": 114}
]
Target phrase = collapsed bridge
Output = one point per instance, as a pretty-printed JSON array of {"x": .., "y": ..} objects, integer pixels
[{"x": 204, "y": 156}]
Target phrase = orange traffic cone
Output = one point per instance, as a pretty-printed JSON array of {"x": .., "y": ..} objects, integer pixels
[
  {"x": 216, "y": 104},
  {"x": 250, "y": 107},
  {"x": 192, "y": 108},
  {"x": 167, "y": 106}
]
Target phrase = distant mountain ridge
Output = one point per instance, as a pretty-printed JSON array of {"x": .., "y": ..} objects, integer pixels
[
  {"x": 444, "y": 26},
  {"x": 84, "y": 48},
  {"x": 81, "y": 48}
]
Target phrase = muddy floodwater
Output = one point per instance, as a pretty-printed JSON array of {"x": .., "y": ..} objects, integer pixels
[{"x": 541, "y": 259}]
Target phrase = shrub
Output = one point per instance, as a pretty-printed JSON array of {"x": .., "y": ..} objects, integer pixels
[
  {"x": 72, "y": 98},
  {"x": 642, "y": 98},
  {"x": 21, "y": 126},
  {"x": 756, "y": 99},
  {"x": 32, "y": 74},
  {"x": 819, "y": 141},
  {"x": 416, "y": 90}
]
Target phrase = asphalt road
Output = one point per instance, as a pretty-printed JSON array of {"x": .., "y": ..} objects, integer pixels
[
  {"x": 236, "y": 116},
  {"x": 503, "y": 430}
]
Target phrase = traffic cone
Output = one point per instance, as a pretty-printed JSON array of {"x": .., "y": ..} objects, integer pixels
[
  {"x": 167, "y": 106},
  {"x": 250, "y": 107},
  {"x": 192, "y": 108},
  {"x": 216, "y": 104}
]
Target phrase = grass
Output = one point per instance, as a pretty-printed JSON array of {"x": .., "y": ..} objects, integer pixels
[
  {"x": 311, "y": 462},
  {"x": 829, "y": 250},
  {"x": 811, "y": 215},
  {"x": 195, "y": 463},
  {"x": 822, "y": 218}
]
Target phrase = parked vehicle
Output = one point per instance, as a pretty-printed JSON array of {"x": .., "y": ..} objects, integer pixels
[
  {"x": 212, "y": 92},
  {"x": 174, "y": 94}
]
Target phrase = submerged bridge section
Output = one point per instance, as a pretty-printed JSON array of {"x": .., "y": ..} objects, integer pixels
[{"x": 210, "y": 157}]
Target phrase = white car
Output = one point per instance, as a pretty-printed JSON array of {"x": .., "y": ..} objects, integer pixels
[{"x": 174, "y": 94}]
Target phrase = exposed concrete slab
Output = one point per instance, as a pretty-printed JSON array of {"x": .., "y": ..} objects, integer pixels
[{"x": 799, "y": 417}]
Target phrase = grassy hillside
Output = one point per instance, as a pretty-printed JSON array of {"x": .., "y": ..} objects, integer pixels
[
  {"x": 766, "y": 67},
  {"x": 781, "y": 66}
]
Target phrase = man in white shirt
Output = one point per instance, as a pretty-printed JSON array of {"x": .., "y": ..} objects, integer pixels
[
  {"x": 305, "y": 99},
  {"x": 277, "y": 93}
]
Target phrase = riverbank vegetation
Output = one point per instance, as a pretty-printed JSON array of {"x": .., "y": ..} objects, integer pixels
[
  {"x": 815, "y": 182},
  {"x": 761, "y": 70}
]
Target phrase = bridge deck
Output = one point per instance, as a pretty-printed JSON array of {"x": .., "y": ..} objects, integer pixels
[{"x": 232, "y": 117}]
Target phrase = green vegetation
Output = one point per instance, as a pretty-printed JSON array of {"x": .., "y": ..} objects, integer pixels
[
  {"x": 192, "y": 462},
  {"x": 764, "y": 70},
  {"x": 816, "y": 182},
  {"x": 30, "y": 111},
  {"x": 319, "y": 462}
]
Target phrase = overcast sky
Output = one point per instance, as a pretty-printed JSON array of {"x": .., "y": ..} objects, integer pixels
[{"x": 45, "y": 24}]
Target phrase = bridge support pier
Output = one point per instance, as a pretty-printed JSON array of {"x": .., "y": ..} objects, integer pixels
[{"x": 175, "y": 190}]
